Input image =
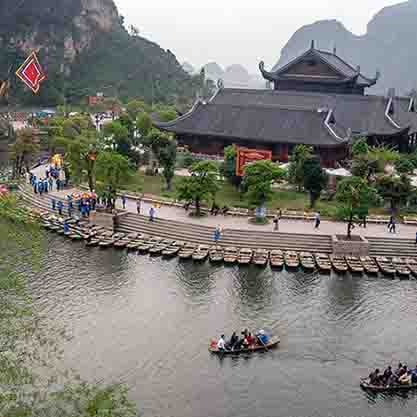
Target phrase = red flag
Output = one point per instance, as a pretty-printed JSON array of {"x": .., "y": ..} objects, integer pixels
[{"x": 31, "y": 73}]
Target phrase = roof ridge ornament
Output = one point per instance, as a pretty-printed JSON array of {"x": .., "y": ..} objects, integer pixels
[{"x": 220, "y": 84}]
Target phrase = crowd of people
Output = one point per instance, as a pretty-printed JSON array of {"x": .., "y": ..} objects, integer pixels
[
  {"x": 400, "y": 376},
  {"x": 46, "y": 184},
  {"x": 245, "y": 341}
]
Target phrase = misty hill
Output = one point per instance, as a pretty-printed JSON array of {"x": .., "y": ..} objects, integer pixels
[
  {"x": 84, "y": 48},
  {"x": 388, "y": 46},
  {"x": 234, "y": 76}
]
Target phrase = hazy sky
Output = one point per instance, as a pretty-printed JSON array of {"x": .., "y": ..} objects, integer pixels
[{"x": 238, "y": 31}]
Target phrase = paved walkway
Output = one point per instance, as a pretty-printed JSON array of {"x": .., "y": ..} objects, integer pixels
[{"x": 229, "y": 222}]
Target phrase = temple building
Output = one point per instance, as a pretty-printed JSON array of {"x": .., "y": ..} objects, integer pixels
[{"x": 317, "y": 99}]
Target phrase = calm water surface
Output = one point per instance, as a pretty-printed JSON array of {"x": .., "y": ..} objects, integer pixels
[{"x": 147, "y": 323}]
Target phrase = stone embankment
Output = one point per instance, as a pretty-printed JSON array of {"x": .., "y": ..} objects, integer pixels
[{"x": 193, "y": 233}]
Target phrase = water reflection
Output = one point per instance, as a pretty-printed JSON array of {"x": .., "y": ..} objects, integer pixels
[{"x": 147, "y": 322}]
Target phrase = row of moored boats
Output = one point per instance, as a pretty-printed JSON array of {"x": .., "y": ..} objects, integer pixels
[{"x": 98, "y": 236}]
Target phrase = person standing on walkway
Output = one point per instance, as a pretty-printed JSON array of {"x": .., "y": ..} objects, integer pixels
[
  {"x": 53, "y": 202},
  {"x": 392, "y": 225},
  {"x": 51, "y": 183},
  {"x": 124, "y": 201},
  {"x": 276, "y": 220},
  {"x": 317, "y": 220},
  {"x": 60, "y": 207},
  {"x": 217, "y": 234},
  {"x": 138, "y": 204},
  {"x": 151, "y": 214}
]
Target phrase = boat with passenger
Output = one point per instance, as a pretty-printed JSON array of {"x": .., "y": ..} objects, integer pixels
[{"x": 246, "y": 343}]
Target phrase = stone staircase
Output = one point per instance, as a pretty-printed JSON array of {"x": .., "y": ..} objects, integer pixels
[
  {"x": 390, "y": 247},
  {"x": 193, "y": 233},
  {"x": 241, "y": 238}
]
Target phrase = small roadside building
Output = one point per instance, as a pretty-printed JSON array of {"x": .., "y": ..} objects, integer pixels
[{"x": 317, "y": 99}]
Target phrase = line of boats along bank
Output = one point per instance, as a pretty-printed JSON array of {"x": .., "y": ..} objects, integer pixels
[{"x": 78, "y": 230}]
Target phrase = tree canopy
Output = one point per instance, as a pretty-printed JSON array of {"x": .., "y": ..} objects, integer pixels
[
  {"x": 315, "y": 179},
  {"x": 201, "y": 186},
  {"x": 296, "y": 171}
]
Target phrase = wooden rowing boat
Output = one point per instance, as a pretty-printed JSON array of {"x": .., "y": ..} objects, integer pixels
[
  {"x": 157, "y": 249},
  {"x": 172, "y": 250},
  {"x": 339, "y": 264},
  {"x": 369, "y": 265},
  {"x": 307, "y": 261},
  {"x": 292, "y": 261},
  {"x": 400, "y": 265},
  {"x": 364, "y": 383},
  {"x": 201, "y": 253},
  {"x": 245, "y": 256},
  {"x": 276, "y": 258},
  {"x": 273, "y": 343},
  {"x": 260, "y": 257},
  {"x": 386, "y": 266},
  {"x": 412, "y": 264},
  {"x": 230, "y": 255},
  {"x": 355, "y": 264},
  {"x": 216, "y": 254},
  {"x": 323, "y": 262},
  {"x": 186, "y": 252}
]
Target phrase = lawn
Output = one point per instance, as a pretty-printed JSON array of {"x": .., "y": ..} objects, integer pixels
[{"x": 229, "y": 196}]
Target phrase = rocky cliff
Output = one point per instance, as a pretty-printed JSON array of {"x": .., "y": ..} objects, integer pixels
[
  {"x": 388, "y": 45},
  {"x": 84, "y": 48}
]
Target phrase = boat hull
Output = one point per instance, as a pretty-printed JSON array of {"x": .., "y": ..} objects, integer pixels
[{"x": 272, "y": 344}]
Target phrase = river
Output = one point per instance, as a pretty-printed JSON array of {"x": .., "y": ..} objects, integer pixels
[{"x": 147, "y": 322}]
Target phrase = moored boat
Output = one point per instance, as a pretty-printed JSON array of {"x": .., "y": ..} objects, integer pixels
[
  {"x": 276, "y": 258},
  {"x": 157, "y": 249},
  {"x": 385, "y": 266},
  {"x": 216, "y": 254},
  {"x": 230, "y": 255},
  {"x": 273, "y": 343},
  {"x": 400, "y": 265},
  {"x": 370, "y": 266},
  {"x": 172, "y": 250},
  {"x": 339, "y": 264},
  {"x": 292, "y": 261},
  {"x": 186, "y": 252},
  {"x": 412, "y": 264},
  {"x": 355, "y": 264},
  {"x": 307, "y": 261},
  {"x": 201, "y": 253},
  {"x": 260, "y": 257},
  {"x": 323, "y": 262},
  {"x": 245, "y": 256}
]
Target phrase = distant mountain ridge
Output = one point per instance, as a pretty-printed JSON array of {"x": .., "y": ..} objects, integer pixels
[
  {"x": 389, "y": 46},
  {"x": 84, "y": 48}
]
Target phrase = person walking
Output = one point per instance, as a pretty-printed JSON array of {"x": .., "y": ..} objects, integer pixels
[
  {"x": 138, "y": 205},
  {"x": 53, "y": 202},
  {"x": 276, "y": 220},
  {"x": 124, "y": 201},
  {"x": 317, "y": 221},
  {"x": 152, "y": 214},
  {"x": 60, "y": 207},
  {"x": 392, "y": 225},
  {"x": 51, "y": 183},
  {"x": 217, "y": 234}
]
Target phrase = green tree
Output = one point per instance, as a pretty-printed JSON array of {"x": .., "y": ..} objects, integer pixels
[
  {"x": 355, "y": 196},
  {"x": 117, "y": 136},
  {"x": 384, "y": 155},
  {"x": 394, "y": 189},
  {"x": 135, "y": 107},
  {"x": 167, "y": 114},
  {"x": 113, "y": 171},
  {"x": 144, "y": 124},
  {"x": 315, "y": 179},
  {"x": 23, "y": 150},
  {"x": 295, "y": 171},
  {"x": 365, "y": 166},
  {"x": 360, "y": 147},
  {"x": 229, "y": 166},
  {"x": 201, "y": 186},
  {"x": 404, "y": 165},
  {"x": 258, "y": 179}
]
